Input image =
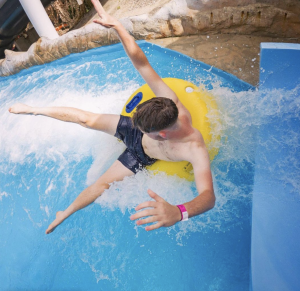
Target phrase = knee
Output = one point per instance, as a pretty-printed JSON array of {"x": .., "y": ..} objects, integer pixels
[
  {"x": 97, "y": 189},
  {"x": 101, "y": 186}
]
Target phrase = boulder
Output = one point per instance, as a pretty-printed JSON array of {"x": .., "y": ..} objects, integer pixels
[{"x": 175, "y": 18}]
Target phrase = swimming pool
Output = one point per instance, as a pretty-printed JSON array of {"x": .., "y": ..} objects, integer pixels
[{"x": 45, "y": 164}]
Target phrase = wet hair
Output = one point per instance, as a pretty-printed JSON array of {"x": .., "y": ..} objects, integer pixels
[{"x": 155, "y": 114}]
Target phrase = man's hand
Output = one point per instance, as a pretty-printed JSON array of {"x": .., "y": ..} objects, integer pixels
[
  {"x": 162, "y": 212},
  {"x": 20, "y": 108},
  {"x": 106, "y": 20}
]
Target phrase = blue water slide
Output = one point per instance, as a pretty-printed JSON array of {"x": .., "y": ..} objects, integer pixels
[
  {"x": 275, "y": 251},
  {"x": 13, "y": 21}
]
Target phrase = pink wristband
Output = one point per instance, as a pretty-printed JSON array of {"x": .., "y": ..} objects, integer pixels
[{"x": 184, "y": 213}]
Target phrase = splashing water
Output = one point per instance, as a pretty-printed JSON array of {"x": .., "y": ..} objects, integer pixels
[{"x": 45, "y": 164}]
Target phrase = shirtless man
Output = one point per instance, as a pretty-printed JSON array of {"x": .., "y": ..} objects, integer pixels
[{"x": 161, "y": 129}]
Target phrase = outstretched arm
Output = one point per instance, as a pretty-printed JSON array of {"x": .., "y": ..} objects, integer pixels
[
  {"x": 68, "y": 114},
  {"x": 103, "y": 122},
  {"x": 136, "y": 55},
  {"x": 165, "y": 214}
]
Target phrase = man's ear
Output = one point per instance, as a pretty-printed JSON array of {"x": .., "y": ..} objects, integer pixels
[{"x": 162, "y": 134}]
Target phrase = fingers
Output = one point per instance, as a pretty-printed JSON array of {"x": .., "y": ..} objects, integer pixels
[
  {"x": 143, "y": 213},
  {"x": 157, "y": 207},
  {"x": 155, "y": 196},
  {"x": 154, "y": 226},
  {"x": 98, "y": 6},
  {"x": 145, "y": 205},
  {"x": 97, "y": 21},
  {"x": 147, "y": 220}
]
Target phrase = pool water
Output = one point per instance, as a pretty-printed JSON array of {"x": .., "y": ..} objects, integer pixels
[{"x": 45, "y": 164}]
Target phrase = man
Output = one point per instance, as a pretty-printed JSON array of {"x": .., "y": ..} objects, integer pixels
[{"x": 161, "y": 129}]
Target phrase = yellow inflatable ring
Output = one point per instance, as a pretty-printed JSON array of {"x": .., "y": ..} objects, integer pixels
[{"x": 197, "y": 102}]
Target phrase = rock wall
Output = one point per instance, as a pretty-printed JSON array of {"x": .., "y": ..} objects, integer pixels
[{"x": 175, "y": 18}]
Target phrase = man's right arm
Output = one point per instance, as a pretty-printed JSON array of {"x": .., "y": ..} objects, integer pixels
[
  {"x": 141, "y": 63},
  {"x": 67, "y": 114},
  {"x": 136, "y": 55}
]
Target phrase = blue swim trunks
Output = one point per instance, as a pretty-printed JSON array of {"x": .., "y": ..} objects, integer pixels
[{"x": 134, "y": 157}]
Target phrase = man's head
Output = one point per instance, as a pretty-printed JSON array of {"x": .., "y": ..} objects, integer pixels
[{"x": 155, "y": 115}]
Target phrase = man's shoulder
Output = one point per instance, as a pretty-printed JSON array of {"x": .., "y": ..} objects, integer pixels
[
  {"x": 186, "y": 151},
  {"x": 196, "y": 145},
  {"x": 195, "y": 152},
  {"x": 194, "y": 141},
  {"x": 197, "y": 139}
]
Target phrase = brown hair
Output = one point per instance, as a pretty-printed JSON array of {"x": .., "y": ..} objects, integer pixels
[{"x": 155, "y": 114}]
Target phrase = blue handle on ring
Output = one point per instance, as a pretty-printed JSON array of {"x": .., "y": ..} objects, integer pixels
[{"x": 134, "y": 102}]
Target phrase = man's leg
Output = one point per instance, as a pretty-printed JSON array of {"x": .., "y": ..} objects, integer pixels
[
  {"x": 116, "y": 172},
  {"x": 103, "y": 122}
]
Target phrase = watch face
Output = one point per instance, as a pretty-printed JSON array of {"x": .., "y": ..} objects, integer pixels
[{"x": 185, "y": 216}]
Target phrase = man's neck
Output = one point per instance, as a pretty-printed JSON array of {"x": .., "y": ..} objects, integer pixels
[{"x": 180, "y": 131}]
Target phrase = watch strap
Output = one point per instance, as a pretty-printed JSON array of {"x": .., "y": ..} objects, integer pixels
[{"x": 184, "y": 213}]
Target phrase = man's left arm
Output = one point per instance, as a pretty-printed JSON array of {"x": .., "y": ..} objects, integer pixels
[
  {"x": 199, "y": 158},
  {"x": 166, "y": 214}
]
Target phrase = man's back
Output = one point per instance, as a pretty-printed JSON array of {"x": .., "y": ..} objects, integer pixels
[{"x": 175, "y": 146}]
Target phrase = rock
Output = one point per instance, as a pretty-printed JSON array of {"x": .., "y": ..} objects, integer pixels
[
  {"x": 176, "y": 27},
  {"x": 174, "y": 18}
]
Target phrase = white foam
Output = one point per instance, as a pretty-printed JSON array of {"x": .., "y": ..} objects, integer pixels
[
  {"x": 3, "y": 194},
  {"x": 38, "y": 224},
  {"x": 132, "y": 191},
  {"x": 49, "y": 139}
]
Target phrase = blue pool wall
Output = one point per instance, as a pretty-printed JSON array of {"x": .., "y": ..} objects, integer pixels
[{"x": 275, "y": 255}]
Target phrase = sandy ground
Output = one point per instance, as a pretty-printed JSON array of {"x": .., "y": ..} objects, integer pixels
[{"x": 235, "y": 54}]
